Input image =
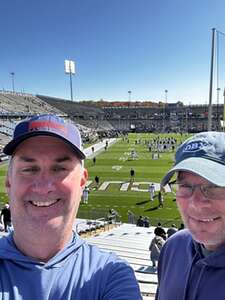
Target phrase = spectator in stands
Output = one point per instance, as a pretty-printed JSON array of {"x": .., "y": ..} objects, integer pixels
[
  {"x": 43, "y": 258},
  {"x": 191, "y": 264},
  {"x": 140, "y": 221},
  {"x": 170, "y": 231},
  {"x": 160, "y": 231},
  {"x": 155, "y": 247},
  {"x": 6, "y": 217},
  {"x": 113, "y": 215},
  {"x": 146, "y": 222},
  {"x": 131, "y": 217},
  {"x": 181, "y": 226}
]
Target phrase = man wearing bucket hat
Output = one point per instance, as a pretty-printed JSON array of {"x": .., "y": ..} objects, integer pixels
[
  {"x": 43, "y": 258},
  {"x": 192, "y": 261}
]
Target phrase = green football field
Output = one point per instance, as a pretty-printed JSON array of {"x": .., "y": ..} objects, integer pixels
[{"x": 114, "y": 164}]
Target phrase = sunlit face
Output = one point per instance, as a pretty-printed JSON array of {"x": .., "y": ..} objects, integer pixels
[
  {"x": 44, "y": 184},
  {"x": 204, "y": 218}
]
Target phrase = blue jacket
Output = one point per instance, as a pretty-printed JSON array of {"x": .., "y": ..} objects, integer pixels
[
  {"x": 185, "y": 274},
  {"x": 79, "y": 271}
]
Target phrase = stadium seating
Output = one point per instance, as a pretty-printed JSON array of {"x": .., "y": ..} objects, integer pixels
[
  {"x": 22, "y": 104},
  {"x": 135, "y": 116},
  {"x": 131, "y": 243}
]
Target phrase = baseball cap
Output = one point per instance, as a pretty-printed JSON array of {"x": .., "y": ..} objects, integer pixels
[
  {"x": 47, "y": 125},
  {"x": 202, "y": 154}
]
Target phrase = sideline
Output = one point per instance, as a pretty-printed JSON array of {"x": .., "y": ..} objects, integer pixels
[{"x": 99, "y": 147}]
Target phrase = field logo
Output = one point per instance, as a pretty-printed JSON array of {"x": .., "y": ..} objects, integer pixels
[
  {"x": 135, "y": 186},
  {"x": 116, "y": 168},
  {"x": 123, "y": 186}
]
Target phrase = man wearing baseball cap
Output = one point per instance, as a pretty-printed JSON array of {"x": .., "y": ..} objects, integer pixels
[
  {"x": 192, "y": 261},
  {"x": 43, "y": 258}
]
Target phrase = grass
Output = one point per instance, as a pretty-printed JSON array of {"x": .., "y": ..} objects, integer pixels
[{"x": 146, "y": 170}]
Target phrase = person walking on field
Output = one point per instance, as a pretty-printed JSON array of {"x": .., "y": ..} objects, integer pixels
[
  {"x": 151, "y": 191},
  {"x": 85, "y": 195},
  {"x": 96, "y": 181},
  {"x": 132, "y": 175},
  {"x": 160, "y": 199}
]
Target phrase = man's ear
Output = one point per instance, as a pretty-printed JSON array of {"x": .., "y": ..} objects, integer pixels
[{"x": 84, "y": 178}]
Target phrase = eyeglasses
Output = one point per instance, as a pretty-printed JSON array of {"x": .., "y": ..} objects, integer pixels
[{"x": 212, "y": 192}]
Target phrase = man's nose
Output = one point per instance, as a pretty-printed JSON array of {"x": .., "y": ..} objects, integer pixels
[{"x": 44, "y": 183}]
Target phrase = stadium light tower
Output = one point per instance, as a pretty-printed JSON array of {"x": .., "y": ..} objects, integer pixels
[
  {"x": 217, "y": 107},
  {"x": 129, "y": 98},
  {"x": 70, "y": 69},
  {"x": 166, "y": 92},
  {"x": 129, "y": 95},
  {"x": 223, "y": 110},
  {"x": 211, "y": 81},
  {"x": 13, "y": 85},
  {"x": 164, "y": 111}
]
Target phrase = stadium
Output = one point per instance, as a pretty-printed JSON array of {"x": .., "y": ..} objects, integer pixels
[
  {"x": 137, "y": 78},
  {"x": 133, "y": 126},
  {"x": 118, "y": 137}
]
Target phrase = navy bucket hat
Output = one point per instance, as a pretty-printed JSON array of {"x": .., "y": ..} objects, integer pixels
[
  {"x": 202, "y": 154},
  {"x": 46, "y": 125}
]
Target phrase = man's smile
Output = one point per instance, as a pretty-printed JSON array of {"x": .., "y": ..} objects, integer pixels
[{"x": 44, "y": 203}]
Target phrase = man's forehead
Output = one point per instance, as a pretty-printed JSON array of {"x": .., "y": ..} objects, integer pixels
[
  {"x": 39, "y": 147},
  {"x": 190, "y": 175},
  {"x": 42, "y": 144},
  {"x": 34, "y": 158},
  {"x": 42, "y": 139}
]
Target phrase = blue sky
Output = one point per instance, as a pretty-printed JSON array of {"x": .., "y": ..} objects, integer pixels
[{"x": 145, "y": 46}]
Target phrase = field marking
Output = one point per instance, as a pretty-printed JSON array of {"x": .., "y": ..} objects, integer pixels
[
  {"x": 127, "y": 206},
  {"x": 117, "y": 168},
  {"x": 136, "y": 186},
  {"x": 105, "y": 184},
  {"x": 122, "y": 158},
  {"x": 123, "y": 186}
]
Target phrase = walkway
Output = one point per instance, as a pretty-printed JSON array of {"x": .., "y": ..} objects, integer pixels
[{"x": 98, "y": 147}]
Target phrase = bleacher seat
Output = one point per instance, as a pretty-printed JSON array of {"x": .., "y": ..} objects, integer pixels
[{"x": 131, "y": 243}]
